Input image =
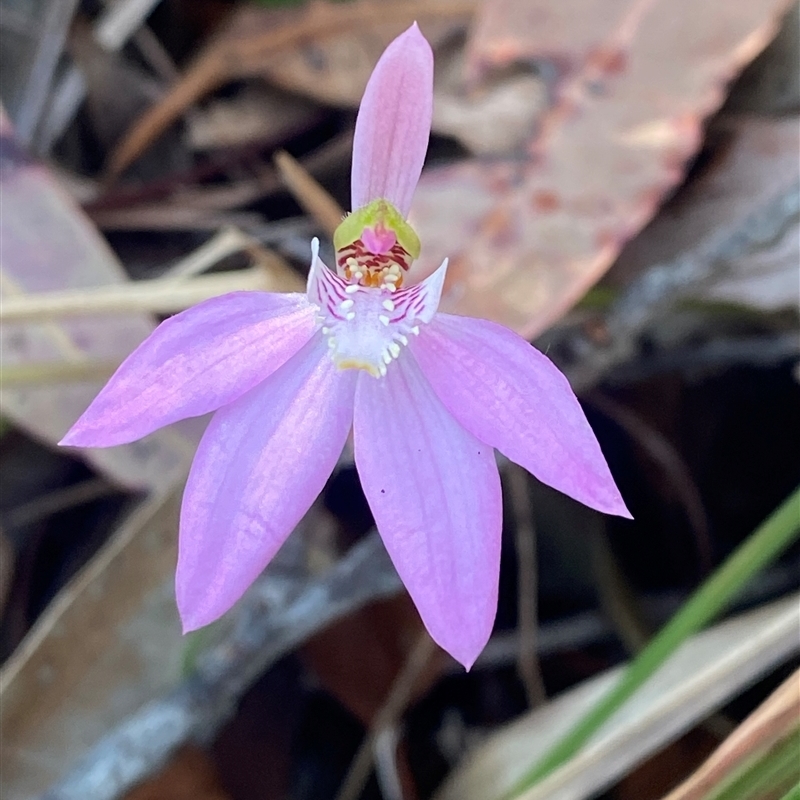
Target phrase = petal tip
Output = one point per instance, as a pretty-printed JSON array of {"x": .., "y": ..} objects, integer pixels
[
  {"x": 607, "y": 500},
  {"x": 192, "y": 614},
  {"x": 466, "y": 654},
  {"x": 393, "y": 123},
  {"x": 621, "y": 510},
  {"x": 78, "y": 436},
  {"x": 611, "y": 502},
  {"x": 463, "y": 645},
  {"x": 190, "y": 626}
]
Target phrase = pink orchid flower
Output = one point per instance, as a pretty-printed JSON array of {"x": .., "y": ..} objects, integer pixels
[{"x": 428, "y": 396}]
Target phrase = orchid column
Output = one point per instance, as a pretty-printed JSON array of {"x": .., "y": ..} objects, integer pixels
[{"x": 428, "y": 397}]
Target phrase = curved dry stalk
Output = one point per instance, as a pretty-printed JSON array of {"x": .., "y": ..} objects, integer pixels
[
  {"x": 396, "y": 701},
  {"x": 527, "y": 586},
  {"x": 309, "y": 193}
]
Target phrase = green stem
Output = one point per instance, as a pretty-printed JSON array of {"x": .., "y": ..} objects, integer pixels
[
  {"x": 759, "y": 549},
  {"x": 793, "y": 794}
]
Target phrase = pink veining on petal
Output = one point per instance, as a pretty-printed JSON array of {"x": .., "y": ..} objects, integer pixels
[
  {"x": 369, "y": 328},
  {"x": 394, "y": 123},
  {"x": 260, "y": 465},
  {"x": 512, "y": 397},
  {"x": 434, "y": 491},
  {"x": 194, "y": 363},
  {"x": 379, "y": 240}
]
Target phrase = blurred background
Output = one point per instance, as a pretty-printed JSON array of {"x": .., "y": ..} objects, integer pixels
[{"x": 616, "y": 180}]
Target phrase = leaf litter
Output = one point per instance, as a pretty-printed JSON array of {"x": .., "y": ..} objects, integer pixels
[{"x": 607, "y": 107}]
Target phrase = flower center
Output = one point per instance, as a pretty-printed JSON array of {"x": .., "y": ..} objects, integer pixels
[
  {"x": 361, "y": 264},
  {"x": 375, "y": 246},
  {"x": 365, "y": 313},
  {"x": 368, "y": 328}
]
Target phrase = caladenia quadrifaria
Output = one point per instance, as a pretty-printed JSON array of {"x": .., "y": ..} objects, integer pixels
[{"x": 428, "y": 397}]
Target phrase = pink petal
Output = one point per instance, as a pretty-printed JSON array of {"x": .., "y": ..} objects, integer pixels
[
  {"x": 323, "y": 287},
  {"x": 260, "y": 465},
  {"x": 394, "y": 124},
  {"x": 512, "y": 397},
  {"x": 196, "y": 362},
  {"x": 434, "y": 491}
]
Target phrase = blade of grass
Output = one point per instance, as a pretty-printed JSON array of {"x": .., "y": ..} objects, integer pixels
[
  {"x": 793, "y": 794},
  {"x": 758, "y": 550}
]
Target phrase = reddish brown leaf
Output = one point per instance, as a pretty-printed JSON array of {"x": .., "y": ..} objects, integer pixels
[
  {"x": 190, "y": 775},
  {"x": 775, "y": 720},
  {"x": 107, "y": 645},
  {"x": 529, "y": 234},
  {"x": 358, "y": 658}
]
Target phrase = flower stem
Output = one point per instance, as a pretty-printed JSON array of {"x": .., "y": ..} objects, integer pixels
[{"x": 765, "y": 544}]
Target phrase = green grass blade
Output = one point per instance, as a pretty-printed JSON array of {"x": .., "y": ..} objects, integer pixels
[
  {"x": 765, "y": 544},
  {"x": 793, "y": 794}
]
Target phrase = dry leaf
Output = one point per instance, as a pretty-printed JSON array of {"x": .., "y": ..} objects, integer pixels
[
  {"x": 755, "y": 160},
  {"x": 48, "y": 244},
  {"x": 528, "y": 236},
  {"x": 190, "y": 775},
  {"x": 255, "y": 114},
  {"x": 706, "y": 672},
  {"x": 283, "y": 607},
  {"x": 777, "y": 718},
  {"x": 771, "y": 85},
  {"x": 333, "y": 66},
  {"x": 497, "y": 117},
  {"x": 382, "y": 634},
  {"x": 108, "y": 644}
]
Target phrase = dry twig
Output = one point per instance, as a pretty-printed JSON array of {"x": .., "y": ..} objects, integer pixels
[
  {"x": 527, "y": 586},
  {"x": 774, "y": 720},
  {"x": 309, "y": 193},
  {"x": 396, "y": 701},
  {"x": 282, "y": 610},
  {"x": 657, "y": 289},
  {"x": 228, "y": 59},
  {"x": 162, "y": 295}
]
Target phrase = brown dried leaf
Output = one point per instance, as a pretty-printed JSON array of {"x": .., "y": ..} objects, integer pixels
[
  {"x": 528, "y": 236},
  {"x": 774, "y": 720},
  {"x": 711, "y": 668},
  {"x": 383, "y": 634},
  {"x": 496, "y": 118},
  {"x": 190, "y": 775},
  {"x": 108, "y": 644},
  {"x": 754, "y": 160},
  {"x": 334, "y": 67},
  {"x": 48, "y": 244},
  {"x": 255, "y": 114}
]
